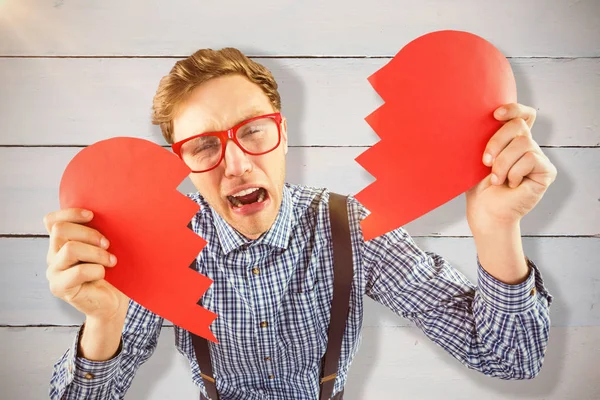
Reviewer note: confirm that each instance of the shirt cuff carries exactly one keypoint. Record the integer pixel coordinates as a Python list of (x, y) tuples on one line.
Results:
[(509, 298), (87, 373)]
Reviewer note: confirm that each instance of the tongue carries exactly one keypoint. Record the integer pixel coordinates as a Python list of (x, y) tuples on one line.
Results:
[(249, 198)]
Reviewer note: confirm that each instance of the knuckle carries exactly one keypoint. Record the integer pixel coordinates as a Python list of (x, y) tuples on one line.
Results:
[(524, 141), (46, 221), (499, 167), (538, 190), (49, 259), (102, 256), (96, 235), (530, 156), (70, 249), (513, 172), (78, 272), (58, 228), (521, 125), (55, 288), (492, 145)]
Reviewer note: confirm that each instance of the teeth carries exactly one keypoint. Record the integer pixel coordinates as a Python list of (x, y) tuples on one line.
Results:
[(245, 192), (235, 201)]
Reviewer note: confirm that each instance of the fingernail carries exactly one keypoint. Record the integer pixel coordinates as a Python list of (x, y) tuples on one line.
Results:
[(494, 179), (501, 112), (104, 243), (113, 259), (487, 159), (86, 213)]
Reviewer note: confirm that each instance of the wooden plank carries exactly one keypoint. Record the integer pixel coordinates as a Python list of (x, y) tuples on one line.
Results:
[(390, 361), (276, 27), (396, 362), (568, 265), (82, 101), (30, 177)]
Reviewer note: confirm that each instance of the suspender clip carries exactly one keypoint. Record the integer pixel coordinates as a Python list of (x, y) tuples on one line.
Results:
[(328, 378), (208, 378)]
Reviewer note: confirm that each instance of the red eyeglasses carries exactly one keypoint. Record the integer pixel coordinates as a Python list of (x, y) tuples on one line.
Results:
[(255, 136)]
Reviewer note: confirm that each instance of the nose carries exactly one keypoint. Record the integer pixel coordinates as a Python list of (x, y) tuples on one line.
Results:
[(236, 161)]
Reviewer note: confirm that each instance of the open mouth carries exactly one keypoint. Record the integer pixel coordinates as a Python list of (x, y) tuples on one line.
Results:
[(247, 197)]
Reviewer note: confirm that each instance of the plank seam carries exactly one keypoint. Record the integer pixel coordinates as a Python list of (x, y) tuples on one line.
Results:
[(313, 146), (434, 236), (284, 57)]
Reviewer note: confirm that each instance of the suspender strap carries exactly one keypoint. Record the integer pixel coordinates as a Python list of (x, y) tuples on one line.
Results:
[(342, 282), (203, 356), (340, 304)]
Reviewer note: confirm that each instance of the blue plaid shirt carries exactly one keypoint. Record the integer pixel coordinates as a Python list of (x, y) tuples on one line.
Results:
[(285, 279)]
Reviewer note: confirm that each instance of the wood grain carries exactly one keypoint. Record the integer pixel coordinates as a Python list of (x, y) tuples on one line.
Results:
[(30, 179), (81, 101), (568, 265), (390, 362), (285, 27)]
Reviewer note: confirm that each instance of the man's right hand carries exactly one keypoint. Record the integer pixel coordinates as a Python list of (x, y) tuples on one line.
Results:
[(77, 257)]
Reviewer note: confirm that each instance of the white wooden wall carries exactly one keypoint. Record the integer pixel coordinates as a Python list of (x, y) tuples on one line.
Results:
[(74, 72)]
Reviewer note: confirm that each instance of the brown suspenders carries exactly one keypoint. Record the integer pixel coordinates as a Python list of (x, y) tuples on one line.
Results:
[(342, 282), (340, 303)]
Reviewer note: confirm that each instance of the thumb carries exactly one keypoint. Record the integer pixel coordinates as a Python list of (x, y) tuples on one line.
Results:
[(481, 186), (528, 193)]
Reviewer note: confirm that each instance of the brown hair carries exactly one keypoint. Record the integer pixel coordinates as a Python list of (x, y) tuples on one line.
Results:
[(205, 64)]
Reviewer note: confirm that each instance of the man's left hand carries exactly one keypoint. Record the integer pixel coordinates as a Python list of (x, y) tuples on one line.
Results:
[(521, 173)]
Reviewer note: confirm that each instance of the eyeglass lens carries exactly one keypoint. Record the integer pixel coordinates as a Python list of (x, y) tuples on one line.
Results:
[(204, 152)]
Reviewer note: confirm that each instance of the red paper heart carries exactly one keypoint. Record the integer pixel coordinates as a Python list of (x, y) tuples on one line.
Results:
[(131, 186), (440, 92)]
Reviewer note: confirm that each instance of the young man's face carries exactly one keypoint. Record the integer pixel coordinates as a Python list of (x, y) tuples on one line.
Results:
[(218, 105)]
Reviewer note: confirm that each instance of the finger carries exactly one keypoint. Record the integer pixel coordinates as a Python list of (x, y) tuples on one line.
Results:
[(542, 174), (510, 111), (535, 182), (523, 167), (497, 143), (76, 252), (534, 166), (518, 147), (63, 232), (76, 215), (63, 283)]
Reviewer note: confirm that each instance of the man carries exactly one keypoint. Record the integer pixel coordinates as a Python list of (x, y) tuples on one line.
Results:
[(269, 253)]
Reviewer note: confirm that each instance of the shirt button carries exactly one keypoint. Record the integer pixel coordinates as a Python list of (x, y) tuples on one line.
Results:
[(267, 358), (271, 377), (264, 324), (532, 292), (89, 376), (255, 271)]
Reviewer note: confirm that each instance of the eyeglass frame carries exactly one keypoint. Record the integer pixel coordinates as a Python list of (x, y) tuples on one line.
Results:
[(230, 134)]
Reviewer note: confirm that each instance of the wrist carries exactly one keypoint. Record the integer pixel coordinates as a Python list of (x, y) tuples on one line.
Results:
[(103, 323), (495, 228), (100, 339), (500, 252)]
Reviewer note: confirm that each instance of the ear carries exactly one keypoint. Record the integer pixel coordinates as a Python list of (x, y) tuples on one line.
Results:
[(284, 138)]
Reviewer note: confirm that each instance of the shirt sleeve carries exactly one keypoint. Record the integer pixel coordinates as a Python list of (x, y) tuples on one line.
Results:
[(496, 328), (75, 377)]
